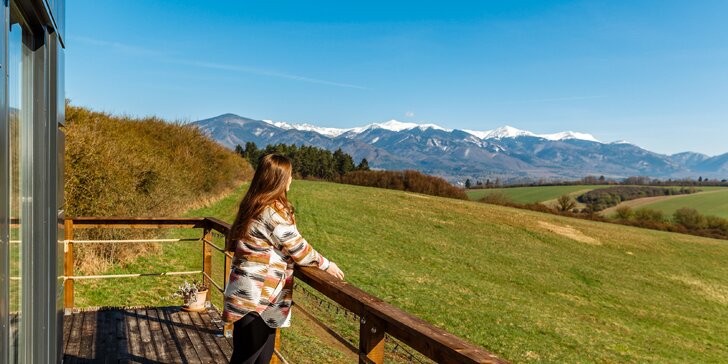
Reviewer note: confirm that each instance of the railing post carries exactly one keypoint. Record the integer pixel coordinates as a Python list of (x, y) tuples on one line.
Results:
[(371, 339), (68, 266), (228, 328), (207, 262), (274, 359), (226, 272)]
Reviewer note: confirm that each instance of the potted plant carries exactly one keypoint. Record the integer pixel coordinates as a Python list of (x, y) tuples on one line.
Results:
[(193, 294)]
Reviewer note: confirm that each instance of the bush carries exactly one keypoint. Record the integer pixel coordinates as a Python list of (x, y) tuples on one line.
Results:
[(691, 219), (647, 216), (497, 198), (624, 213), (121, 166), (717, 224)]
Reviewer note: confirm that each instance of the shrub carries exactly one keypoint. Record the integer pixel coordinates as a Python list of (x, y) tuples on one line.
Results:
[(690, 218), (647, 216), (122, 166), (624, 213), (497, 198)]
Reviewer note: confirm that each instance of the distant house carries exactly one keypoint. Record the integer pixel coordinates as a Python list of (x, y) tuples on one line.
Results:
[(32, 104)]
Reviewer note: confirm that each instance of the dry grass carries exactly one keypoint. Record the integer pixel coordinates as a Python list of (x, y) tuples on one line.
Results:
[(122, 166)]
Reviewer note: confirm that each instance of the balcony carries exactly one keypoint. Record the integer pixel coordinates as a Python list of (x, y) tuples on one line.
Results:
[(167, 334)]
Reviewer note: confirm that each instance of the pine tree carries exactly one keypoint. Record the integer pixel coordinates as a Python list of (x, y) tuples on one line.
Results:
[(363, 165)]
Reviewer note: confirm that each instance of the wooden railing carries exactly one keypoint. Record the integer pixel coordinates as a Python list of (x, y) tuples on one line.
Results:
[(376, 317)]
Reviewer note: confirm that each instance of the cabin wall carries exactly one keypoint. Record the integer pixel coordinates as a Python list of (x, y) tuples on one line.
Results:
[(32, 102)]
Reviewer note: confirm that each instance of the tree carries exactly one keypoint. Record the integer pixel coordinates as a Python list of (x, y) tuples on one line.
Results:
[(467, 183), (251, 153), (239, 150), (565, 203), (343, 162), (363, 165)]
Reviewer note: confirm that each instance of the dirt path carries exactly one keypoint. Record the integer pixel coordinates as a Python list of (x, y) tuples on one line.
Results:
[(639, 202)]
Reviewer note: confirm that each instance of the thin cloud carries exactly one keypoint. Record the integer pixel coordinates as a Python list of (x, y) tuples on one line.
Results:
[(263, 72), (119, 47), (409, 114), (165, 57)]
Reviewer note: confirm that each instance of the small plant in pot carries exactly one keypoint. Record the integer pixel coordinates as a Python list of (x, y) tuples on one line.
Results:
[(193, 294)]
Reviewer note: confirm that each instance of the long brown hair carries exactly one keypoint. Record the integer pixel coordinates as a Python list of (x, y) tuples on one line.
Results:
[(267, 187)]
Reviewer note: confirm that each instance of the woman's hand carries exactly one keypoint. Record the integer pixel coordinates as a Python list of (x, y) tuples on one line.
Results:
[(334, 270)]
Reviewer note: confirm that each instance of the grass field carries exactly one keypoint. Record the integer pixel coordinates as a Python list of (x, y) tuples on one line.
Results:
[(530, 287), (531, 194), (713, 201)]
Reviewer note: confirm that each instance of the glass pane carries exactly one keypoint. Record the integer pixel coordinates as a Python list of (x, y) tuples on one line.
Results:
[(21, 157)]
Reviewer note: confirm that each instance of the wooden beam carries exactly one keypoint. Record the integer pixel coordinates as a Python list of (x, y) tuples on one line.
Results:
[(433, 342), (88, 222), (218, 225)]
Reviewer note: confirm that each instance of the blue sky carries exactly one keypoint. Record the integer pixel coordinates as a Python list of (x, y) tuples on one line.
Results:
[(654, 73)]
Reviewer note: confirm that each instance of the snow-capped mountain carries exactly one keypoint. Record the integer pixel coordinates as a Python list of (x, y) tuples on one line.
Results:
[(455, 154)]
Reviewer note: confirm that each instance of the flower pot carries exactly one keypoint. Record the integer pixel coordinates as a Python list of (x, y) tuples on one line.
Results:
[(197, 303)]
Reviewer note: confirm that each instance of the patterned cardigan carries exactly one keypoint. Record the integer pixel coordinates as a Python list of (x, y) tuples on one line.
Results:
[(261, 275)]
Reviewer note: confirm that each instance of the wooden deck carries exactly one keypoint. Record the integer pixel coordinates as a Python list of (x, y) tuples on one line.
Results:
[(144, 335)]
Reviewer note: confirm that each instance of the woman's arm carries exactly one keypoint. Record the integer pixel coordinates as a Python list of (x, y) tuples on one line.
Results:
[(290, 241)]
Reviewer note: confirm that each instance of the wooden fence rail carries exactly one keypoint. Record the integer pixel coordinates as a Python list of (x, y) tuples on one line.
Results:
[(377, 317)]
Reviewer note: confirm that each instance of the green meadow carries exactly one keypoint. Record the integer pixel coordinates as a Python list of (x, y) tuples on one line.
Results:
[(530, 194), (528, 286), (713, 201)]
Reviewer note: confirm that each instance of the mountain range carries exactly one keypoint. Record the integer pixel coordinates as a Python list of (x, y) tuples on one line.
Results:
[(507, 153)]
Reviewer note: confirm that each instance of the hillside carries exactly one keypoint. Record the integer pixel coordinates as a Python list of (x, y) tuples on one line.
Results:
[(531, 287), (531, 194), (710, 201)]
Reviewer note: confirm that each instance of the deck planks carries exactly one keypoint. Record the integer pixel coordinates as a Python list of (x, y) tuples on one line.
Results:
[(144, 335)]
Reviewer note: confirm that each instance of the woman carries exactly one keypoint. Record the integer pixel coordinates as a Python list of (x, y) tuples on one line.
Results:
[(266, 244)]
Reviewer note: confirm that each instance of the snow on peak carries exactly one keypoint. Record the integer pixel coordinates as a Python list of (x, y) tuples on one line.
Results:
[(331, 132), (570, 135), (395, 125), (500, 133), (511, 132), (506, 131)]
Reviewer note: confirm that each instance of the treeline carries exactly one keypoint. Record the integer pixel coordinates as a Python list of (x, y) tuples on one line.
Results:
[(308, 161), (407, 180), (601, 180), (123, 166), (684, 220), (319, 163), (602, 198)]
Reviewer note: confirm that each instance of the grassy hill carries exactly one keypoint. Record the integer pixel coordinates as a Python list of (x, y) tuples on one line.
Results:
[(530, 287), (712, 201), (531, 194)]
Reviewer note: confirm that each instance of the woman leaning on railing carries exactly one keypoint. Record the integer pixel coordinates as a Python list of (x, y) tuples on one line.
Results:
[(266, 244)]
